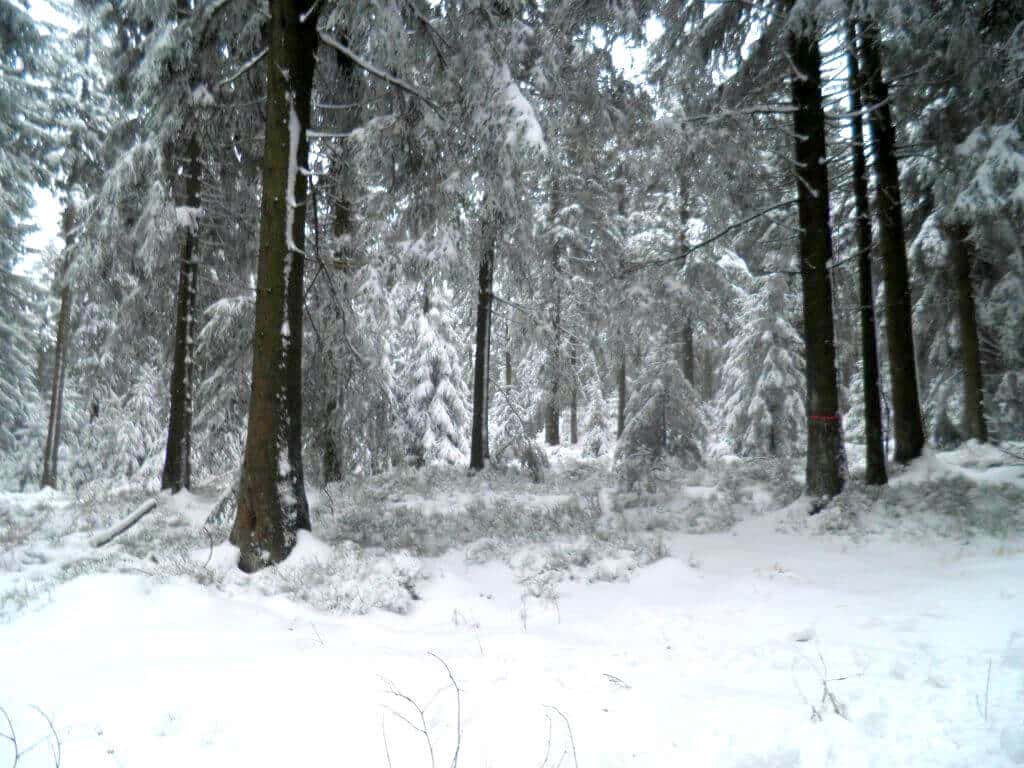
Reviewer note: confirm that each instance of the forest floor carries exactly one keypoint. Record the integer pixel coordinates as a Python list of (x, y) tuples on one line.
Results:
[(433, 619)]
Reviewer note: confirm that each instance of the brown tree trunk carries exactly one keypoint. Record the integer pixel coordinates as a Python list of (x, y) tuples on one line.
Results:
[(177, 473), (876, 474), (974, 387), (907, 424), (51, 451), (825, 453), (483, 337), (272, 503)]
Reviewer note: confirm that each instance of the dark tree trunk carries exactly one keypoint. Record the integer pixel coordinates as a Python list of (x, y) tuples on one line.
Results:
[(489, 383), (344, 253), (477, 449), (689, 368), (621, 376), (272, 497), (51, 450), (574, 430), (825, 453), (876, 474), (177, 472), (508, 355), (552, 432), (907, 425), (974, 387), (708, 377)]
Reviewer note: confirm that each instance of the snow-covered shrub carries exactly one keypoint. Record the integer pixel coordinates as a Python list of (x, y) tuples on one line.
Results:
[(437, 405), (512, 434), (664, 418), (598, 438), (350, 580), (763, 375), (1008, 417)]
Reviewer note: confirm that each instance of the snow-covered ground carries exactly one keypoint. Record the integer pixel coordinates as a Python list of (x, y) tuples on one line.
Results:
[(712, 626)]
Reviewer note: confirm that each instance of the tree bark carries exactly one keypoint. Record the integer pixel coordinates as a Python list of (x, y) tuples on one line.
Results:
[(574, 431), (508, 355), (688, 355), (621, 376), (344, 255), (177, 473), (51, 451), (908, 428), (272, 503), (552, 432), (488, 383), (825, 454), (483, 337), (963, 256), (875, 474)]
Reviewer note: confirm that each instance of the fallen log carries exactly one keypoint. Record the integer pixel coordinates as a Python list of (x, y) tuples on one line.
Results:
[(105, 537)]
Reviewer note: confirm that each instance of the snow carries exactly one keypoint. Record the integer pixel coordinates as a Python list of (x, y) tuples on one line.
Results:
[(294, 137), (188, 217), (777, 641)]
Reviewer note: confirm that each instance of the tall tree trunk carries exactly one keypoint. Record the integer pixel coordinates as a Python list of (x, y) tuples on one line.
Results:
[(876, 474), (488, 383), (974, 387), (825, 454), (177, 472), (574, 427), (621, 377), (708, 375), (907, 424), (483, 336), (272, 503), (508, 355), (688, 356), (344, 253), (552, 432), (51, 450)]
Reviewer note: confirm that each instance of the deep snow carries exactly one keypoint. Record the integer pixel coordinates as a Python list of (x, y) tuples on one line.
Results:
[(715, 655)]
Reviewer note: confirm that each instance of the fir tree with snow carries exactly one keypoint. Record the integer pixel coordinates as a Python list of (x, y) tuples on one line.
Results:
[(763, 402), (664, 418), (437, 413), (598, 437)]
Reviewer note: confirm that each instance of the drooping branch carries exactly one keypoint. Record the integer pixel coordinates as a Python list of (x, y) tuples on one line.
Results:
[(382, 74)]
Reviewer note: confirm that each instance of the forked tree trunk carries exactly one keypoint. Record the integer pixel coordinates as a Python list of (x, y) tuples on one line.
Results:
[(177, 472), (876, 474), (825, 453), (908, 428), (272, 503), (974, 386), (483, 336), (51, 450)]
